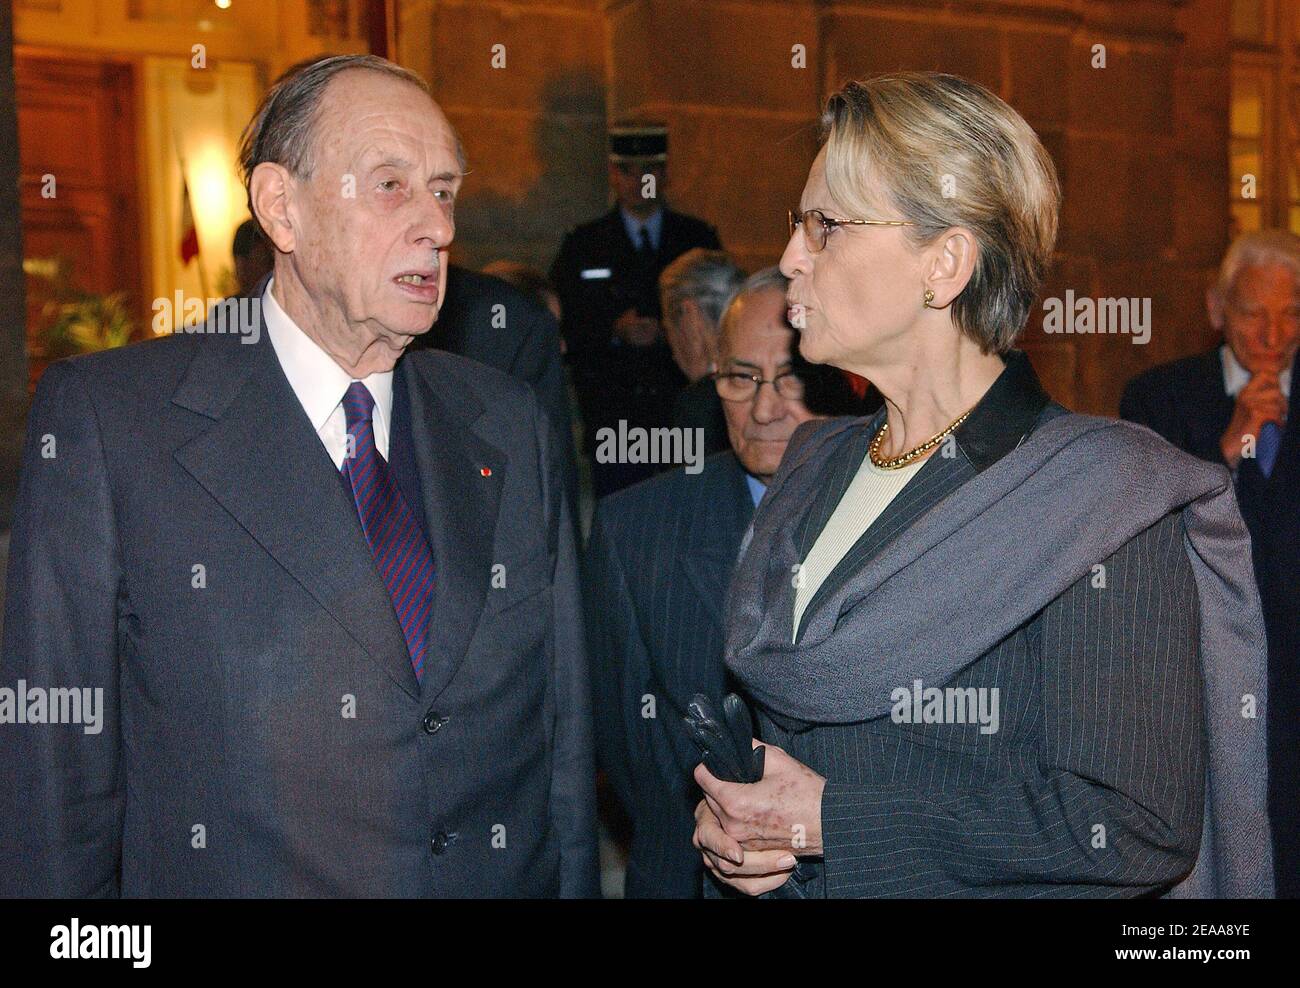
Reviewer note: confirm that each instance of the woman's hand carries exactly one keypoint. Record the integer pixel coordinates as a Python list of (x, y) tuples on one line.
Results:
[(751, 872), (750, 833)]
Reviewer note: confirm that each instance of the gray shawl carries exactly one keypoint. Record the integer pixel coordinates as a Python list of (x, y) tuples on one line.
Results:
[(1075, 491)]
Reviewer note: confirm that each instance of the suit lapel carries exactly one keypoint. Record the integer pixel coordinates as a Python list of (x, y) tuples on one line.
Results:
[(1287, 470), (617, 238), (669, 234), (673, 241), (264, 464), (1277, 488), (708, 554), (460, 509), (708, 570)]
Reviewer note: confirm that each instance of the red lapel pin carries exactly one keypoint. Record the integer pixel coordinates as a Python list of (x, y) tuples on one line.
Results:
[(485, 471)]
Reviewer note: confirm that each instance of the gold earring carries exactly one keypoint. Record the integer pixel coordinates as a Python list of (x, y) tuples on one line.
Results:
[(929, 297)]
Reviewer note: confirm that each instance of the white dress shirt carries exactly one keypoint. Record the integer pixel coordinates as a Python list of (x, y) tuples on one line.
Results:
[(1236, 377), (320, 383)]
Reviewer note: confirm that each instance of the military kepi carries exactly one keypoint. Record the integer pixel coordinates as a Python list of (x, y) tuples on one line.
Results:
[(638, 142)]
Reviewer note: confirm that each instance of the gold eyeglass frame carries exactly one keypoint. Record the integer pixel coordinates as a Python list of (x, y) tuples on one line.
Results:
[(795, 218)]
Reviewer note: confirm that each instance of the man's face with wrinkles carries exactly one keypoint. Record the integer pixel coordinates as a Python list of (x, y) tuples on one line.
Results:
[(375, 215)]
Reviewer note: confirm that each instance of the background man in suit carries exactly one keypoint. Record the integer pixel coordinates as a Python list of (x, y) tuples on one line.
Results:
[(1233, 406), (655, 573), (521, 337), (253, 256), (607, 274), (693, 291), (329, 596)]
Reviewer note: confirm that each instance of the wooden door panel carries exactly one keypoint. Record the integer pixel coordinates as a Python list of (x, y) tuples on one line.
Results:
[(76, 124)]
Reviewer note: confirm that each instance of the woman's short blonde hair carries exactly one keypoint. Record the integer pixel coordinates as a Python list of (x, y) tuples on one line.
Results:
[(949, 153)]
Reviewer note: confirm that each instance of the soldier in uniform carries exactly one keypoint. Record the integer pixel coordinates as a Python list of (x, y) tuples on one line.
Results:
[(607, 276)]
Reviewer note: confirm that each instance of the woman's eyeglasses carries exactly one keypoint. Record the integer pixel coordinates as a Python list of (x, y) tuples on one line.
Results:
[(817, 226)]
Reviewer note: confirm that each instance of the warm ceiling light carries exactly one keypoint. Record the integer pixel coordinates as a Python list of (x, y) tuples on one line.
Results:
[(223, 4)]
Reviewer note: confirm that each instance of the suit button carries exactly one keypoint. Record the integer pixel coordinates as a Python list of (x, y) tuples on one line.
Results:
[(433, 722), (440, 842)]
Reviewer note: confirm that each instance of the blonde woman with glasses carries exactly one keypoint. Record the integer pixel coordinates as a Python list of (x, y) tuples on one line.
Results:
[(993, 648)]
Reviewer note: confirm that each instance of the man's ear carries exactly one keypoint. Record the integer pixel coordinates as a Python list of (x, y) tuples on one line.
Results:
[(952, 263), (691, 314), (271, 190), (698, 324)]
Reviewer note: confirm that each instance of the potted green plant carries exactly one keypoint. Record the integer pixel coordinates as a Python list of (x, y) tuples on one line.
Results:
[(78, 321)]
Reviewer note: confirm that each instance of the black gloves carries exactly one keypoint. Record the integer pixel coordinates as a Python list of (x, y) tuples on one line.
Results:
[(725, 741)]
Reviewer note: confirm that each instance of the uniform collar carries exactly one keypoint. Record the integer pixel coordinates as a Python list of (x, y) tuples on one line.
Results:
[(652, 223)]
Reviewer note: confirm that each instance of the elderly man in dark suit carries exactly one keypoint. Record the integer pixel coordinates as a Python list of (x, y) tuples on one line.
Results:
[(1235, 406), (655, 573), (326, 590)]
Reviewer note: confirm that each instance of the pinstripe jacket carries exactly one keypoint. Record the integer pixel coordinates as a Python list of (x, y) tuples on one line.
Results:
[(1186, 402), (1092, 782)]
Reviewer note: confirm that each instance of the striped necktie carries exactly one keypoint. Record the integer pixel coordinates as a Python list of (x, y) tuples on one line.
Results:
[(392, 530)]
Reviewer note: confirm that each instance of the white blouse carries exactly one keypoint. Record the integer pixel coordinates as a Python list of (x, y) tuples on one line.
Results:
[(868, 494)]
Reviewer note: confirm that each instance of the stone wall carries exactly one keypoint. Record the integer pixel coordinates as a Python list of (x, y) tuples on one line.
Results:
[(531, 115), (740, 102), (1140, 144)]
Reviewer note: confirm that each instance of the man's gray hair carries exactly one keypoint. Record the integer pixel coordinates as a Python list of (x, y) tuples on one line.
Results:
[(1262, 248), (707, 277), (757, 282), (283, 128)]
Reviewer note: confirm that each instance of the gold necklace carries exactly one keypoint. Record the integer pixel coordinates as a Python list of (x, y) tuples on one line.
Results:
[(903, 459)]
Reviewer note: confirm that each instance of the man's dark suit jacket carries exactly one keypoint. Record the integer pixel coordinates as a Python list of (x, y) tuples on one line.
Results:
[(615, 381), (264, 733), (654, 577), (1100, 715), (521, 338), (1185, 402)]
